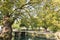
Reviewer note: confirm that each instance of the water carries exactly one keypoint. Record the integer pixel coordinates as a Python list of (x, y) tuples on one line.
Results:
[(30, 37), (34, 38)]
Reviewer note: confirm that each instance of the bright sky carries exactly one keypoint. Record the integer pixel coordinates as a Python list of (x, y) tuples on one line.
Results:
[(27, 1), (0, 28)]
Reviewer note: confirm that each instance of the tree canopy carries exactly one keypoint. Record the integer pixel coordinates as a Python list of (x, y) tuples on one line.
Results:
[(34, 13)]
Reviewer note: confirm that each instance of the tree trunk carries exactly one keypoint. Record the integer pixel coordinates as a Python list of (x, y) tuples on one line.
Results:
[(7, 33), (7, 29)]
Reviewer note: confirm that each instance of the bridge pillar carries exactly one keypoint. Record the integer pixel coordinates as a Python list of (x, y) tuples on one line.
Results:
[(16, 37), (22, 35)]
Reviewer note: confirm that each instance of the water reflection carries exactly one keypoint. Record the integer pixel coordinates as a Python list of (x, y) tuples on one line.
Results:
[(32, 38)]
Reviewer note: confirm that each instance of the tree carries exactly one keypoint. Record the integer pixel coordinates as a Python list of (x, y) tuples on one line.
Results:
[(10, 11)]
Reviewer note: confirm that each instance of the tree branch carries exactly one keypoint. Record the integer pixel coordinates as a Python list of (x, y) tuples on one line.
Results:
[(26, 4)]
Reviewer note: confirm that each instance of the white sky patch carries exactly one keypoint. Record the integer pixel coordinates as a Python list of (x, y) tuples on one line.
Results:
[(33, 13), (23, 11), (35, 16), (26, 5), (0, 12), (0, 28), (29, 7), (42, 4), (14, 7), (28, 16), (57, 8), (27, 1), (2, 0)]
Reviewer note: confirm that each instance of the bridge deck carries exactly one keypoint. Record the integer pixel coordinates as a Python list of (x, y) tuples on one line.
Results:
[(37, 32)]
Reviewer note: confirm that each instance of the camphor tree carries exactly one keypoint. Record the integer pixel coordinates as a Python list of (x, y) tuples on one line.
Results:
[(11, 10), (34, 13)]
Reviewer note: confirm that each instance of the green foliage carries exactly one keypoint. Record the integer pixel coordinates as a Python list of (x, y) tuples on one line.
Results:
[(16, 25), (47, 12)]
